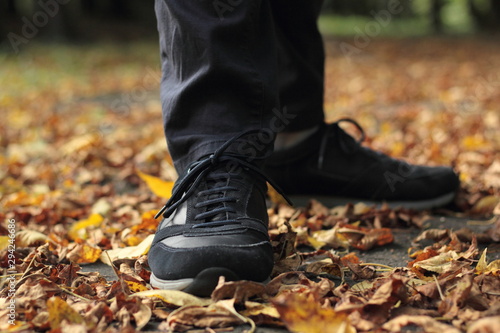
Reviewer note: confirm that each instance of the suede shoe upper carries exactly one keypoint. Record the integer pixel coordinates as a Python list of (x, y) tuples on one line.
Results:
[(332, 163)]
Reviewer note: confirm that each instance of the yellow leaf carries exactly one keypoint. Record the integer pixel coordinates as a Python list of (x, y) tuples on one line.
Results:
[(256, 309), (59, 310), (493, 268), (331, 237), (483, 267), (474, 142), (23, 199), (136, 286), (485, 205), (84, 254), (127, 252), (4, 242), (482, 263), (159, 187), (133, 240), (275, 196), (315, 243), (174, 297), (79, 229)]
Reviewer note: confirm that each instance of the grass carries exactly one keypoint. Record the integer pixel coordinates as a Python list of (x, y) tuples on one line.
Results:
[(456, 21), (335, 25)]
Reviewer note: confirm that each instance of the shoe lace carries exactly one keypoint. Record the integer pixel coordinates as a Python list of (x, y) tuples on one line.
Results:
[(219, 195), (344, 140)]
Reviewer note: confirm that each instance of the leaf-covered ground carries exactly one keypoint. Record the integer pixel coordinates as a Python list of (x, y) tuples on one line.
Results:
[(84, 167)]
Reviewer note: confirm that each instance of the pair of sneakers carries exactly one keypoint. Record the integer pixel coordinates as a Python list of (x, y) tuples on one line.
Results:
[(216, 220)]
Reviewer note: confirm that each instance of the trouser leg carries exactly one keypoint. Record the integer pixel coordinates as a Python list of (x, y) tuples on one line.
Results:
[(301, 61), (219, 73)]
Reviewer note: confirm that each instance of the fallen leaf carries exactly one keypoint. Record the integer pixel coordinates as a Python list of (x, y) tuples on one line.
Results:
[(4, 242), (485, 325), (239, 291), (79, 229), (262, 314), (142, 316), (428, 324), (127, 252), (483, 267), (485, 205), (60, 311), (83, 253), (159, 187), (213, 316), (439, 263), (455, 300), (26, 238), (174, 297), (301, 312)]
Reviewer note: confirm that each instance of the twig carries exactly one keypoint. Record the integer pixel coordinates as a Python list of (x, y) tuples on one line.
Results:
[(68, 292), (379, 265), (9, 275), (29, 266), (439, 288)]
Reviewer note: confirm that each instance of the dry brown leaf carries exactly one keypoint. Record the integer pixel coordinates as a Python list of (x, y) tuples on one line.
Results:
[(174, 297), (26, 238), (485, 325), (428, 324), (216, 315), (451, 305), (239, 291), (262, 314), (439, 263), (301, 312)]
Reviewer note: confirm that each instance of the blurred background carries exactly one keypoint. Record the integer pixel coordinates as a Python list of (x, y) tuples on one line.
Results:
[(123, 19)]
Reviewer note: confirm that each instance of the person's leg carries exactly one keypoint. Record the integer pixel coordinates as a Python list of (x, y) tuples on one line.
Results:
[(219, 73), (301, 62), (312, 159), (219, 81)]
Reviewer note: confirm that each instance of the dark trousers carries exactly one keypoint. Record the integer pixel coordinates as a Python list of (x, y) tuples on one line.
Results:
[(230, 66)]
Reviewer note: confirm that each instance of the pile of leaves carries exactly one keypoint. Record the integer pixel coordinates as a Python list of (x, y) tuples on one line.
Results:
[(316, 285), (84, 168)]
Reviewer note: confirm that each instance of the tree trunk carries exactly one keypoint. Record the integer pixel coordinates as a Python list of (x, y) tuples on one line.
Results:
[(437, 22)]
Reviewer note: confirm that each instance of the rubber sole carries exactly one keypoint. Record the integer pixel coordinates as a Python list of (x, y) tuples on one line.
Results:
[(202, 285), (336, 201)]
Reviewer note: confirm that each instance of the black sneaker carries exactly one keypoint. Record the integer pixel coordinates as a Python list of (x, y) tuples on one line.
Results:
[(334, 168), (215, 224)]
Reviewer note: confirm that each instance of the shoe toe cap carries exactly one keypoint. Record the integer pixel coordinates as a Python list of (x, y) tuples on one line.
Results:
[(182, 257)]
